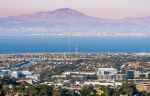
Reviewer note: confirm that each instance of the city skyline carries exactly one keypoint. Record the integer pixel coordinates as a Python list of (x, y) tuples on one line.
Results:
[(113, 9)]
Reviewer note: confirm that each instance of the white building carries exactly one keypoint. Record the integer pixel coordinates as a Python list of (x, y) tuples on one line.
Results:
[(4, 73), (14, 74), (27, 74), (106, 73)]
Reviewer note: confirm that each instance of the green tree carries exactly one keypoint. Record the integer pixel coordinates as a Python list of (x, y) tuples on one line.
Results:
[(66, 92), (105, 90), (88, 91), (124, 88), (44, 90)]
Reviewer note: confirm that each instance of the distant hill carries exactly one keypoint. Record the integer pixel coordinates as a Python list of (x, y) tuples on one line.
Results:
[(69, 21)]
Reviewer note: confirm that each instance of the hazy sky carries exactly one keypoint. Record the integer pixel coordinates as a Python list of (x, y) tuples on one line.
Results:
[(98, 8)]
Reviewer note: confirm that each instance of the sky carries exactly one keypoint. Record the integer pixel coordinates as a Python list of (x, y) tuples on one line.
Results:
[(99, 8)]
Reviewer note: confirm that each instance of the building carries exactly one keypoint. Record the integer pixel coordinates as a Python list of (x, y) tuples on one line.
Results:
[(130, 74), (24, 74), (120, 77), (80, 75), (21, 74), (4, 73), (106, 73), (102, 83), (14, 74)]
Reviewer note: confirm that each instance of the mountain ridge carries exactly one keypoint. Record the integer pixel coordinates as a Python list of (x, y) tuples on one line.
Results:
[(69, 20)]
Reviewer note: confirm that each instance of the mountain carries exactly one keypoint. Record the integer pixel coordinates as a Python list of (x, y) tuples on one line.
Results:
[(60, 13), (64, 13), (69, 21)]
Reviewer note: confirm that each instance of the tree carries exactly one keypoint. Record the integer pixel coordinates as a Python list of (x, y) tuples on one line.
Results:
[(128, 89), (88, 91), (102, 91), (44, 90), (66, 92), (124, 89)]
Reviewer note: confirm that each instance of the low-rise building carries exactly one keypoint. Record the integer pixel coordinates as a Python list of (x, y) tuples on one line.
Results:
[(4, 73), (106, 73)]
